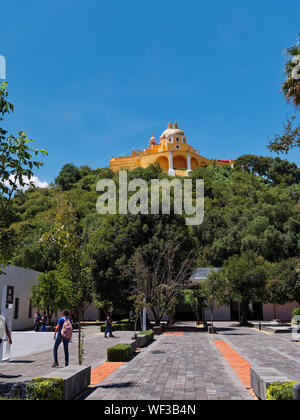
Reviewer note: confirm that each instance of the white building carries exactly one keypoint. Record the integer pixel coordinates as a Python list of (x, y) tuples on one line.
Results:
[(21, 280)]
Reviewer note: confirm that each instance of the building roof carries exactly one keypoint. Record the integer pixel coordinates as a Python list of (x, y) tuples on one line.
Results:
[(201, 274)]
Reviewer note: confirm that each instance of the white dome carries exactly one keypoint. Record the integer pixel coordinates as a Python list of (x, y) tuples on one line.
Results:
[(172, 131)]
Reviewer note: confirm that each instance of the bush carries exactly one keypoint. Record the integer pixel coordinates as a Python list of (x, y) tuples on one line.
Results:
[(126, 321), (149, 334), (296, 311), (119, 327), (280, 391), (118, 353), (45, 389)]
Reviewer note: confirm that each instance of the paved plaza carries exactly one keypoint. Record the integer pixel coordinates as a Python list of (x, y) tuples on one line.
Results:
[(185, 364)]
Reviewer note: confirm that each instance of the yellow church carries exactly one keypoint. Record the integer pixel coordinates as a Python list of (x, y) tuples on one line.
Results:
[(173, 153)]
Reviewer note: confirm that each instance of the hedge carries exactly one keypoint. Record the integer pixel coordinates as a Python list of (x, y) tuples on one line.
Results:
[(296, 311), (280, 391), (45, 389), (119, 353), (149, 334), (119, 327)]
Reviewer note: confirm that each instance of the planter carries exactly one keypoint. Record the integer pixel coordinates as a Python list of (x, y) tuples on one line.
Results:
[(157, 330), (50, 328), (212, 330), (141, 340)]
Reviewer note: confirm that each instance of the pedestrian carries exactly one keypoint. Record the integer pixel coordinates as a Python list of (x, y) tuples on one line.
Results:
[(37, 319), (63, 334), (43, 321), (8, 334), (109, 325)]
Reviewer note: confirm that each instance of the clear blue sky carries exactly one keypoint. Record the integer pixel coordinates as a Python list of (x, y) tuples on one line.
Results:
[(91, 79)]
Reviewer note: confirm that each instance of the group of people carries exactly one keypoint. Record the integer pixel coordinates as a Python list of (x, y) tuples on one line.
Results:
[(40, 321)]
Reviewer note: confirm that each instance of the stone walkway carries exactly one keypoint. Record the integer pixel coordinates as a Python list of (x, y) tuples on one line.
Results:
[(265, 350), (185, 364), (174, 367), (21, 369)]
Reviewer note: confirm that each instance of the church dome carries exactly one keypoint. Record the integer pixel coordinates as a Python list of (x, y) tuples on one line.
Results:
[(171, 131)]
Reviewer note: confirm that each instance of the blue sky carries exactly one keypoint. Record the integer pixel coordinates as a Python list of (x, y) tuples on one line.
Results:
[(92, 79)]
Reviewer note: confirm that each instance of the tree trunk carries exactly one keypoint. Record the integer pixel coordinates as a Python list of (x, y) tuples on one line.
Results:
[(244, 317), (275, 314), (79, 340)]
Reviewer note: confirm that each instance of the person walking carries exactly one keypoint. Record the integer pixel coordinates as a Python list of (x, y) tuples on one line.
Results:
[(43, 321), (63, 334), (109, 325), (37, 319)]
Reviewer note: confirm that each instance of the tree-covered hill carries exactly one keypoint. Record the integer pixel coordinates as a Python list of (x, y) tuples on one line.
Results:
[(253, 207)]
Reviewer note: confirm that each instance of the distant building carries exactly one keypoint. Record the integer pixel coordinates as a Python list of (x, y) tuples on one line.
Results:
[(173, 153)]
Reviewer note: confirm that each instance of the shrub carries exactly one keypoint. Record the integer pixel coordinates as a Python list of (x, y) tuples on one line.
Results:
[(126, 321), (280, 391), (118, 353), (119, 327), (296, 311), (45, 389), (149, 334)]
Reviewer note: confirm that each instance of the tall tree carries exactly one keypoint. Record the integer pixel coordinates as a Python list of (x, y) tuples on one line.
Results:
[(74, 264), (160, 278), (291, 90), (246, 277), (16, 170)]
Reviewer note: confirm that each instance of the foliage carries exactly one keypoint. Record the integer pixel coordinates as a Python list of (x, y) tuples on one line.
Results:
[(280, 391), (245, 278), (68, 176), (195, 297), (296, 312), (283, 282), (283, 143), (49, 293), (50, 389), (17, 161), (275, 171), (160, 275), (291, 90), (119, 353), (291, 86), (246, 209), (138, 304), (74, 264)]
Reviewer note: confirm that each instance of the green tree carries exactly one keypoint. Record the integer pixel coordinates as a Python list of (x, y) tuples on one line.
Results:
[(195, 297), (74, 264), (161, 277), (246, 277), (49, 293), (16, 170), (68, 176), (291, 90)]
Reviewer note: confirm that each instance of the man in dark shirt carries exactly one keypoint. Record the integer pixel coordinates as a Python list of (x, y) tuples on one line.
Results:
[(109, 324)]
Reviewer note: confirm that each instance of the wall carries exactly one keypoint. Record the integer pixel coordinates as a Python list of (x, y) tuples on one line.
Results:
[(22, 280)]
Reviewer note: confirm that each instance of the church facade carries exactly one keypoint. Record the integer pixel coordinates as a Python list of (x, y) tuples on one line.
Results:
[(172, 153)]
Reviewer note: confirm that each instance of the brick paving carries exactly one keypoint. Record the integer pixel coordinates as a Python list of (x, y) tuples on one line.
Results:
[(101, 372), (21, 369), (264, 350), (236, 361), (183, 366)]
